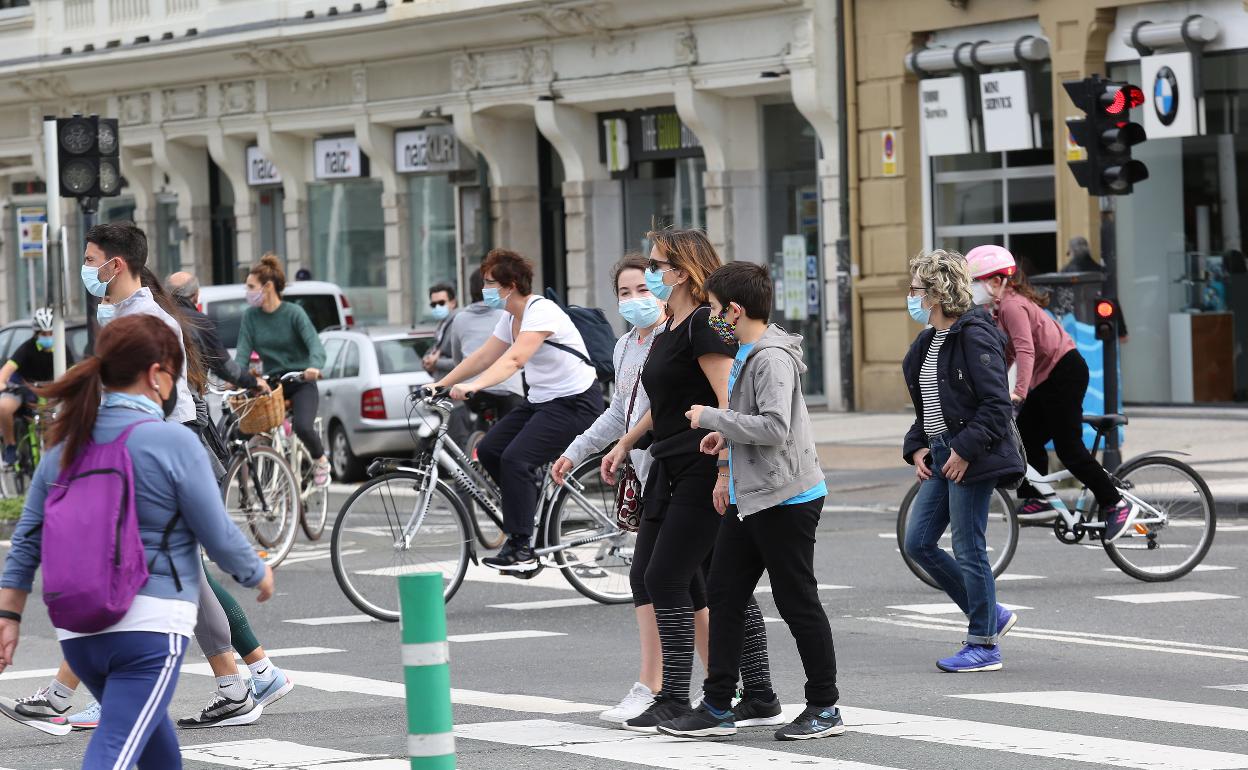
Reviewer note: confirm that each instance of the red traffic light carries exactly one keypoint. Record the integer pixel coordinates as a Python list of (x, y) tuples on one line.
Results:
[(1123, 99), (1104, 309)]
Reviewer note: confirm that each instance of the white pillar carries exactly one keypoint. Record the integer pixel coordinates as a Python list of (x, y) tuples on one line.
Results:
[(286, 151), (187, 168), (378, 143)]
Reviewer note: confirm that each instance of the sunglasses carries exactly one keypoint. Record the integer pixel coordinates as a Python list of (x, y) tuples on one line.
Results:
[(658, 266), (439, 303)]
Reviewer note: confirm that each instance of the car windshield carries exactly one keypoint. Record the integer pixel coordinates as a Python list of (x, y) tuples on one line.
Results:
[(402, 355), (227, 314)]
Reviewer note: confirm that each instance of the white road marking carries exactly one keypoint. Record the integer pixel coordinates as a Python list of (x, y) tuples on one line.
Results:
[(320, 680), (266, 753), (1175, 712), (34, 673), (300, 558), (1233, 687), (547, 578), (525, 704), (656, 751), (821, 587), (203, 669), (942, 608), (1167, 568), (1015, 576), (496, 636), (1171, 596), (772, 620), (332, 620), (548, 604), (1037, 743)]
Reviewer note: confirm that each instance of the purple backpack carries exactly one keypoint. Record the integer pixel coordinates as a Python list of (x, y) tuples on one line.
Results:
[(93, 558)]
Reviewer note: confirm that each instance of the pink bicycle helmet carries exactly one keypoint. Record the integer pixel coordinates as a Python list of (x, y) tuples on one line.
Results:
[(989, 260)]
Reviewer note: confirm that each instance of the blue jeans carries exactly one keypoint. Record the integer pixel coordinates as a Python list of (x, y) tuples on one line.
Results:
[(967, 575)]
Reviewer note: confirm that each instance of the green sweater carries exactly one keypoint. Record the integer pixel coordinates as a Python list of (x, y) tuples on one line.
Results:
[(285, 339)]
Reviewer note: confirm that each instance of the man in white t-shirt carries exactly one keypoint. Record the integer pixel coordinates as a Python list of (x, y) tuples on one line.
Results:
[(536, 337)]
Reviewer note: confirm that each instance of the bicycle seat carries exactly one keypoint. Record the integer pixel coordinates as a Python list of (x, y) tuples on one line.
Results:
[(1104, 422)]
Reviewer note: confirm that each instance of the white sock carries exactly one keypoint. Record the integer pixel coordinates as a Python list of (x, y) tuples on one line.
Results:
[(232, 687), (59, 694), (263, 670)]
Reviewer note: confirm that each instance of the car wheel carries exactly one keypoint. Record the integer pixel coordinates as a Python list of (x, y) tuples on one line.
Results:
[(344, 464)]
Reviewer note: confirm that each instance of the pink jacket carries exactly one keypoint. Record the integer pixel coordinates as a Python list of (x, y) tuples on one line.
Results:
[(1036, 341)]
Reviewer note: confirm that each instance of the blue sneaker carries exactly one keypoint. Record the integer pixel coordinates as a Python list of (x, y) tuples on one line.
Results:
[(87, 719), (1005, 621), (271, 690), (972, 658), (813, 722)]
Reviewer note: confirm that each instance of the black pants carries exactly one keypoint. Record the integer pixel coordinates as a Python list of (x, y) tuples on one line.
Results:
[(780, 540), (1054, 411), (305, 399), (526, 439), (466, 420)]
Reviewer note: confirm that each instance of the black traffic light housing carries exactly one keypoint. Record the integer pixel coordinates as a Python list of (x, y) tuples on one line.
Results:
[(1106, 313), (88, 150), (1106, 134)]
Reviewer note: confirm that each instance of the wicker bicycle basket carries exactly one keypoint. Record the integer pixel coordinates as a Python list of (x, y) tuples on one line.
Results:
[(261, 413)]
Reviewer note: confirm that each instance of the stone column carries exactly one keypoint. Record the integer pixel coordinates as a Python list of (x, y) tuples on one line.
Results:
[(141, 185), (187, 168), (378, 143), (230, 153), (286, 151)]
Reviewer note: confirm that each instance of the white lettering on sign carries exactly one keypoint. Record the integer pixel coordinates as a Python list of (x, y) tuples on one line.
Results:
[(432, 148), (337, 158), (260, 170), (1008, 122), (942, 107)]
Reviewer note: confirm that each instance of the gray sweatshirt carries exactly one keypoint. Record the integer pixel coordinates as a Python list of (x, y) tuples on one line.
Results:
[(468, 330), (766, 422), (142, 303), (629, 357)]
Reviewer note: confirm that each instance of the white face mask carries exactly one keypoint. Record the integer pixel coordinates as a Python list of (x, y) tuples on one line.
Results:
[(980, 294)]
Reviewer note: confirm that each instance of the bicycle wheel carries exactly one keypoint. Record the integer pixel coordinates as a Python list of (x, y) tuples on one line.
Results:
[(1001, 534), (370, 548), (262, 498), (314, 508), (1177, 520), (584, 512)]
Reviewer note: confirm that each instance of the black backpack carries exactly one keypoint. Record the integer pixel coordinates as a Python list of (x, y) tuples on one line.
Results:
[(597, 334)]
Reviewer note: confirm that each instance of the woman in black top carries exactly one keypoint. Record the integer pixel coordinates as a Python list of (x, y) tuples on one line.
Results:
[(687, 491)]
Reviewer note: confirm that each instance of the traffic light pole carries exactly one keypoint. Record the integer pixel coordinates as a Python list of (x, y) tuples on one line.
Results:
[(55, 258), (89, 207), (1112, 456)]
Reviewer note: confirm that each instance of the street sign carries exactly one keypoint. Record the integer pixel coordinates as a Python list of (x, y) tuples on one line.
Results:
[(32, 223), (888, 153), (1007, 111), (942, 108), (1172, 108)]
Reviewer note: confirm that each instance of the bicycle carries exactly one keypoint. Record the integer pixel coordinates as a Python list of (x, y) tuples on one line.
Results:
[(313, 499), (259, 489), (28, 427), (1173, 499), (408, 518)]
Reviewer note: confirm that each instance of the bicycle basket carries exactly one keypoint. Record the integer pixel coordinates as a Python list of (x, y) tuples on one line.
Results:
[(261, 413)]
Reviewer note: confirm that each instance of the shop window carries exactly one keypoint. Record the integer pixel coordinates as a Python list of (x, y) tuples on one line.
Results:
[(431, 209), (348, 243), (272, 218), (661, 193), (169, 236)]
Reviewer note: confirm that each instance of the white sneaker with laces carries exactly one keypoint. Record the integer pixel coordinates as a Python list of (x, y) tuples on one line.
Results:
[(634, 704)]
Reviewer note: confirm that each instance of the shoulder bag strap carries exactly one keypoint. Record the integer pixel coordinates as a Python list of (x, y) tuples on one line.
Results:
[(628, 416)]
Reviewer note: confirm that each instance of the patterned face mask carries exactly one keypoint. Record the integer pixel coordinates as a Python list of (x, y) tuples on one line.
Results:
[(723, 327)]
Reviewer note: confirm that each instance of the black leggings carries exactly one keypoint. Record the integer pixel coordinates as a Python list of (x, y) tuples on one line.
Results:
[(1054, 410), (304, 401)]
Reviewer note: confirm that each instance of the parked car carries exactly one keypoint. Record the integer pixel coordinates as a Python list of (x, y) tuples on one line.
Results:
[(368, 375), (13, 334), (325, 303)]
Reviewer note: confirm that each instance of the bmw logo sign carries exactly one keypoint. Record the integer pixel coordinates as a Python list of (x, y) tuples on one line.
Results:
[(1166, 95)]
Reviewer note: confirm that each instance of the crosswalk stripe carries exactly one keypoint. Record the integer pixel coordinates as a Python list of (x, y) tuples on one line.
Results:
[(33, 673), (1169, 596), (1197, 568), (548, 604), (1233, 687), (821, 587), (1037, 743), (942, 608), (332, 620), (1175, 712), (266, 753), (1015, 576), (655, 751), (495, 636)]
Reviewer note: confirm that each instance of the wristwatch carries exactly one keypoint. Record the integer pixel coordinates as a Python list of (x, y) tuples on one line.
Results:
[(721, 463)]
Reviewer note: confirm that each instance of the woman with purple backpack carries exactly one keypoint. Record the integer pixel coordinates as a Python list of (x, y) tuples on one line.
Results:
[(121, 579)]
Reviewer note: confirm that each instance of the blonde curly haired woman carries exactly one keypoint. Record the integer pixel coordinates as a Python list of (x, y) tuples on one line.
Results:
[(959, 445)]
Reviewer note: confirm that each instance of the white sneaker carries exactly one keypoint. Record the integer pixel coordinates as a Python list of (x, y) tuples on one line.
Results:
[(634, 705)]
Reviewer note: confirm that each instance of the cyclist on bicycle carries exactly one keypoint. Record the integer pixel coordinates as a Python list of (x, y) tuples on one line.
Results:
[(286, 340), (32, 363), (534, 336), (1051, 383)]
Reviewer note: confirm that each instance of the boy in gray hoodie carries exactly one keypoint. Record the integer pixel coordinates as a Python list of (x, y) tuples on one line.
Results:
[(776, 493)]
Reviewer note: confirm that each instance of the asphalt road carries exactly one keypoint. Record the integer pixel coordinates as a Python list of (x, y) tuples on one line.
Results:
[(1087, 679)]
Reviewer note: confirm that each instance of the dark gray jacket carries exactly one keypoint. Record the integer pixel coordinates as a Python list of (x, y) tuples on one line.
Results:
[(773, 446)]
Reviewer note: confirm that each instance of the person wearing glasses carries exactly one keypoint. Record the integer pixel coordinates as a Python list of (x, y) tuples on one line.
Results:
[(960, 445), (443, 308)]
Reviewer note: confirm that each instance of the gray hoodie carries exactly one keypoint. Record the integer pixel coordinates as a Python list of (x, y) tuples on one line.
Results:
[(767, 425), (468, 330)]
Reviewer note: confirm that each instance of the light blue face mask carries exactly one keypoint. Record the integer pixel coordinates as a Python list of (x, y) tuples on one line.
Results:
[(132, 401), (641, 312), (91, 280), (654, 282), (43, 343), (492, 298), (439, 312), (917, 311), (105, 313)]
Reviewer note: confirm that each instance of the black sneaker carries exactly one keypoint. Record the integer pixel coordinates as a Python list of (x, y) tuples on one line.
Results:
[(814, 722), (514, 556), (663, 709), (225, 712), (700, 724), (752, 712)]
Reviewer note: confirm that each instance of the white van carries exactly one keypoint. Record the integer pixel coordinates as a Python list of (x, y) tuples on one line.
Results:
[(324, 302)]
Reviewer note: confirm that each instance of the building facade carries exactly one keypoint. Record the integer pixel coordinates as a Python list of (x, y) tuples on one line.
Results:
[(956, 115), (387, 145)]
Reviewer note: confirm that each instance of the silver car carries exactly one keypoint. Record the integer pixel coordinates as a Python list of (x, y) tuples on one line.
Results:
[(368, 375)]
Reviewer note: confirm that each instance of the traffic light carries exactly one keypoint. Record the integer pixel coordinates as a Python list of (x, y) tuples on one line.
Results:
[(1107, 315), (87, 154), (1106, 134)]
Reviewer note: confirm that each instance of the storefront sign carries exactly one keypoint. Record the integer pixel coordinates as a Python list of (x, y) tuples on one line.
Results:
[(793, 249), (888, 153), (615, 137), (337, 158), (1171, 108), (650, 135), (942, 109), (432, 148), (32, 224), (1073, 151), (260, 170), (1007, 111)]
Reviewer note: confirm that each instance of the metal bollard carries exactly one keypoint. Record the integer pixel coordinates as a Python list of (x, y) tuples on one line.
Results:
[(426, 672)]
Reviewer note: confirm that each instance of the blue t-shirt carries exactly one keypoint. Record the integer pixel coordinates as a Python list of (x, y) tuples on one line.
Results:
[(815, 492)]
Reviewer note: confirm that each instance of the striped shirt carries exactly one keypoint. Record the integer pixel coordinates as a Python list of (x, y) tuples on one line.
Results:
[(929, 387)]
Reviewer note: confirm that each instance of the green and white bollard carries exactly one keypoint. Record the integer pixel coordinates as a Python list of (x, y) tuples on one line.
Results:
[(426, 672)]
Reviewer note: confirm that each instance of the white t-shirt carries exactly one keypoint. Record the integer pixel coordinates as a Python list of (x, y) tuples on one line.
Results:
[(551, 373), (149, 613)]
